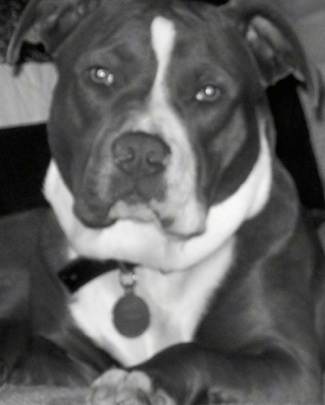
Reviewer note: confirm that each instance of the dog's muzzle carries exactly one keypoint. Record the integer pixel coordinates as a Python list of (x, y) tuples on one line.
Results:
[(130, 185)]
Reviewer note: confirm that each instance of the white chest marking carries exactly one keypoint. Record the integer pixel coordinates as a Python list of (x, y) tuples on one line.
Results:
[(177, 301)]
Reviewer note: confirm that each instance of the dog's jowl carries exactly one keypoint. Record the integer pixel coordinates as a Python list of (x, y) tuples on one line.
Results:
[(175, 265)]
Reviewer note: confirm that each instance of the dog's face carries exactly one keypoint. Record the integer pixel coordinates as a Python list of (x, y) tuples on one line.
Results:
[(158, 108), (148, 121)]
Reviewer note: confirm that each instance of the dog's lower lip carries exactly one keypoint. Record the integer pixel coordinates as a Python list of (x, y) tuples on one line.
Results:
[(97, 224)]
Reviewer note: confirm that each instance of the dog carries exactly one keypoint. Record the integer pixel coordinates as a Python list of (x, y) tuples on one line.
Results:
[(175, 265)]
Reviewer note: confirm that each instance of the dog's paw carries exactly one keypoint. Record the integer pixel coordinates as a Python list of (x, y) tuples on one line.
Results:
[(120, 387)]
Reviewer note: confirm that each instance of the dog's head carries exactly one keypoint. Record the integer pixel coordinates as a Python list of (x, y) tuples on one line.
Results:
[(159, 113)]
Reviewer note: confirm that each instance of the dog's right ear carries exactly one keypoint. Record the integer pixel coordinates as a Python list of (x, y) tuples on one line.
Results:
[(49, 22), (275, 46)]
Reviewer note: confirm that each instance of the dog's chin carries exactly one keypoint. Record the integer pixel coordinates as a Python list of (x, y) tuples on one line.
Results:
[(137, 213)]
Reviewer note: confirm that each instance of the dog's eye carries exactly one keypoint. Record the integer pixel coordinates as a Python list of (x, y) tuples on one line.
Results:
[(208, 93), (101, 75)]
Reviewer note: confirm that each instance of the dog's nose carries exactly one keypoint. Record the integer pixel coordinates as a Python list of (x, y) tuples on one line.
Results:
[(140, 154)]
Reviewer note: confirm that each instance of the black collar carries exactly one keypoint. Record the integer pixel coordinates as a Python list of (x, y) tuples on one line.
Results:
[(79, 272), (76, 273)]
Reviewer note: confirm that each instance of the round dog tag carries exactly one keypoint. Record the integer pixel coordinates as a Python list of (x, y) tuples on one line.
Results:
[(131, 315)]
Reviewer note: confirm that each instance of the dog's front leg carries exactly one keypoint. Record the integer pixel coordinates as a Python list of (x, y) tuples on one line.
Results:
[(189, 374)]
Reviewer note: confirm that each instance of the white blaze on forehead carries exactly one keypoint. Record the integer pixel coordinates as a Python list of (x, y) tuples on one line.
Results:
[(163, 35)]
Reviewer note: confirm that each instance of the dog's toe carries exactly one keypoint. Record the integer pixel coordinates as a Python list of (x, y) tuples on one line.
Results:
[(113, 377), (104, 390), (119, 387)]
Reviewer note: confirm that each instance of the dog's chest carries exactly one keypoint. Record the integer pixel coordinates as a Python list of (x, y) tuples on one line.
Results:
[(177, 302)]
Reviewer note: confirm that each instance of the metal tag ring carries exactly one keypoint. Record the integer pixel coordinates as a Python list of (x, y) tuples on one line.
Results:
[(128, 279)]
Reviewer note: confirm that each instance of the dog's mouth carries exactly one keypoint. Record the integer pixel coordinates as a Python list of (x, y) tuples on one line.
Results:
[(136, 210), (133, 207), (180, 217)]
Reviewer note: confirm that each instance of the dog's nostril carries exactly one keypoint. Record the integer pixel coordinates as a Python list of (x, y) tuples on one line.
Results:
[(140, 154), (156, 160), (124, 155)]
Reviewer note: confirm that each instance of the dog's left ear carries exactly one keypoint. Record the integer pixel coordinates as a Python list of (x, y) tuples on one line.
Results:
[(274, 44), (49, 22)]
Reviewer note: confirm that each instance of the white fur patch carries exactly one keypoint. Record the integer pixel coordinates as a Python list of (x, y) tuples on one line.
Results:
[(162, 38), (177, 302)]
